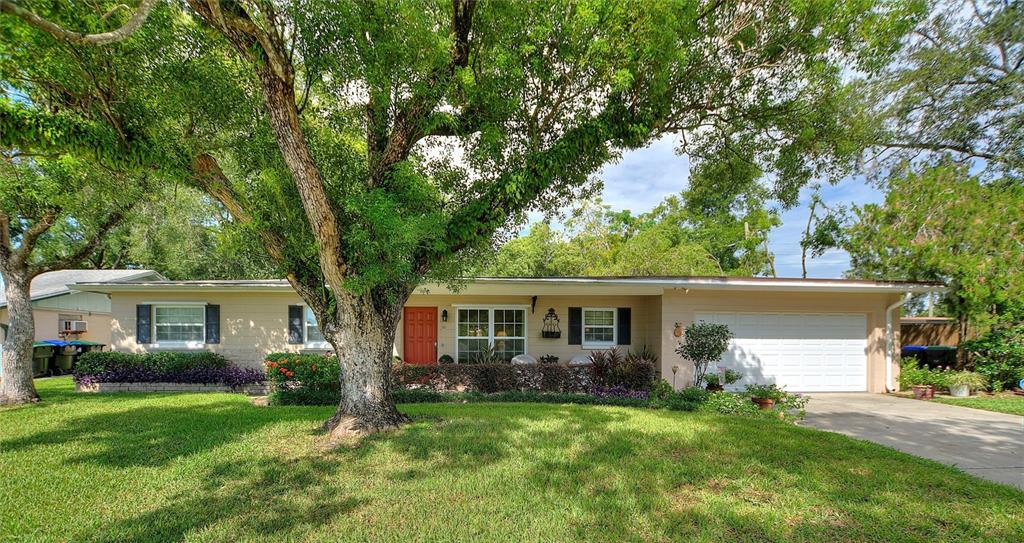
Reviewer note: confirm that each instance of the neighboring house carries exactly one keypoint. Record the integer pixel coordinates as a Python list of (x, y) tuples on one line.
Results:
[(807, 334), (57, 307), (929, 331)]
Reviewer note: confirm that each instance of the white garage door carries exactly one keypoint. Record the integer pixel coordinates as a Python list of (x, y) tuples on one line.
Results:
[(805, 352)]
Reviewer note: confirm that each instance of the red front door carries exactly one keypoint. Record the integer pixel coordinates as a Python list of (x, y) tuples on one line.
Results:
[(420, 335)]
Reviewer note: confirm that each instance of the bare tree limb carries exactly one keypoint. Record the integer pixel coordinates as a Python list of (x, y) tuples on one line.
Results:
[(928, 146), (103, 38)]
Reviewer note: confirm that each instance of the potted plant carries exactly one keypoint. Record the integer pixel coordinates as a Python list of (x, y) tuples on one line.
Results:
[(923, 392), (765, 396), (962, 383), (715, 382)]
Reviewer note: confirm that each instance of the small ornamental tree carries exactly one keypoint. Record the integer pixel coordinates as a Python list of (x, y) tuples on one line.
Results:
[(54, 214), (704, 343), (372, 145)]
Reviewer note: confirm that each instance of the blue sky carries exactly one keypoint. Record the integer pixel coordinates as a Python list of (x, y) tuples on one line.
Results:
[(643, 178)]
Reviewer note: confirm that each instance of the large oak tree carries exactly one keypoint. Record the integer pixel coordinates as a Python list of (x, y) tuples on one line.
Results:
[(370, 145)]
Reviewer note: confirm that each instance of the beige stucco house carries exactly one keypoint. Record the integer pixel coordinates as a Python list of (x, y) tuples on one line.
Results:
[(57, 307), (812, 335)]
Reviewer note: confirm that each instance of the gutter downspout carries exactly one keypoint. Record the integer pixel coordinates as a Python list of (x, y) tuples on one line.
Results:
[(890, 340)]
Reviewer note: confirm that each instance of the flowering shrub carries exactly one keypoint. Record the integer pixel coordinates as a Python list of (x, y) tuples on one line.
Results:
[(166, 367), (303, 379)]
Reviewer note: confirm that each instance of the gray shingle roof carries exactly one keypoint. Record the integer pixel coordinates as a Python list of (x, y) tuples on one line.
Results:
[(55, 283)]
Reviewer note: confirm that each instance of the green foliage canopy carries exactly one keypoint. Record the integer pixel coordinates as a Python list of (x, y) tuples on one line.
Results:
[(429, 138), (944, 224)]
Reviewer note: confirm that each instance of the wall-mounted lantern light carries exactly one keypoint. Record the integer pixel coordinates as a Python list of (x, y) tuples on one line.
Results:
[(551, 329), (444, 315)]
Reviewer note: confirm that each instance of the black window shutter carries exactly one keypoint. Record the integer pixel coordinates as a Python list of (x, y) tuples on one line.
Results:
[(295, 324), (624, 326), (212, 323), (143, 324), (575, 326)]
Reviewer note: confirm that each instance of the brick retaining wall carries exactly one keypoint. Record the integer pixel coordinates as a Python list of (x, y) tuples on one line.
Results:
[(251, 390)]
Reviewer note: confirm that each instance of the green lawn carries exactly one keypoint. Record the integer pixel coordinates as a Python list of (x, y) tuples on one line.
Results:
[(1002, 403), (212, 467)]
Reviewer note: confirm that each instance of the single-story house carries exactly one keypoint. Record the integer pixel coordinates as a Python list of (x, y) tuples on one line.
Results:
[(812, 335), (58, 308)]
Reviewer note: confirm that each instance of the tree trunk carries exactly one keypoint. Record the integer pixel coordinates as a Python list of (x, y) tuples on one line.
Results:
[(16, 384), (961, 333), (364, 340)]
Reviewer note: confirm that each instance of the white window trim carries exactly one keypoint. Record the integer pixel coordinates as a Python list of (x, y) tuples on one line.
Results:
[(190, 345), (306, 343), (490, 325), (599, 344)]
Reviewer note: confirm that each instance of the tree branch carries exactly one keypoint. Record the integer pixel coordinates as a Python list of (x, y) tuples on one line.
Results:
[(410, 122), (5, 237), (276, 77), (28, 239), (929, 146), (88, 247), (208, 174), (104, 38)]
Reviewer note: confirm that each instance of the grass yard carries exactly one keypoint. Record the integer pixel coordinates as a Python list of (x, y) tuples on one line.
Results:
[(1001, 403), (212, 467)]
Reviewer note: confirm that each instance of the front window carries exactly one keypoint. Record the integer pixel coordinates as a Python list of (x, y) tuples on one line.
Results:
[(179, 323), (314, 338), (503, 329), (598, 327)]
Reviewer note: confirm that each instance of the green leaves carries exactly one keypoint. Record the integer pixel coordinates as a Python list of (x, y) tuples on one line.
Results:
[(945, 224)]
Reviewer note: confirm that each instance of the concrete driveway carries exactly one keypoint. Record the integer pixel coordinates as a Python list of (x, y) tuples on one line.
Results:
[(984, 444)]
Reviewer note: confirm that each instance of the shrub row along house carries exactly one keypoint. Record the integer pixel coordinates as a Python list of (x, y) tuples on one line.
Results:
[(810, 335)]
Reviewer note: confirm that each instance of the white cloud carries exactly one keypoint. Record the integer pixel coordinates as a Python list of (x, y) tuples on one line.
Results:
[(641, 179)]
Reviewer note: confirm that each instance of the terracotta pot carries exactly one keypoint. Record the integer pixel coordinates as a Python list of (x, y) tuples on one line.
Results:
[(923, 392), (715, 388), (764, 403)]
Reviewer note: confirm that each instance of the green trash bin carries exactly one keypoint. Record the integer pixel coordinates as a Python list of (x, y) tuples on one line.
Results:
[(42, 357), (64, 362), (84, 346), (937, 356)]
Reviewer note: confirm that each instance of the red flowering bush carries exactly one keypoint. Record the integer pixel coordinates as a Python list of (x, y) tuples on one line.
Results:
[(302, 379)]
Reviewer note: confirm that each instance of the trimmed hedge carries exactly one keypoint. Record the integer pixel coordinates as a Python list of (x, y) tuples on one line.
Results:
[(513, 396), (609, 370), (164, 367), (490, 378), (307, 379)]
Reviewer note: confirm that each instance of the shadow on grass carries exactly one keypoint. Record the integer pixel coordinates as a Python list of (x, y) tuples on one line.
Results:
[(591, 473), (154, 433), (243, 499)]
